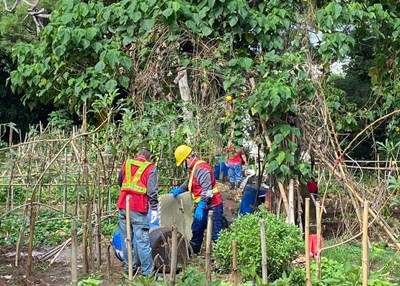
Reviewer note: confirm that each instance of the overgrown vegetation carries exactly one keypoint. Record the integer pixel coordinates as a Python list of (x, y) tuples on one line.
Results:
[(124, 62), (283, 243)]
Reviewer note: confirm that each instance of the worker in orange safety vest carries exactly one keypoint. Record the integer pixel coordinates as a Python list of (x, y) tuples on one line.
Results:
[(138, 178), (202, 185)]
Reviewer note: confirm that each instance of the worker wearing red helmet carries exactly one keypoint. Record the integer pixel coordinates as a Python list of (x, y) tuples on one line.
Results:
[(202, 185)]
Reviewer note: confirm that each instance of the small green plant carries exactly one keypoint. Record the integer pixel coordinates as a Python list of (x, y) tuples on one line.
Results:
[(296, 277), (283, 245), (50, 228), (91, 281), (59, 119)]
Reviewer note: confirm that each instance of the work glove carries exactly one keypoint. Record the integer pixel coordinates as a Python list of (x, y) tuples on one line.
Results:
[(154, 216), (176, 191), (198, 213)]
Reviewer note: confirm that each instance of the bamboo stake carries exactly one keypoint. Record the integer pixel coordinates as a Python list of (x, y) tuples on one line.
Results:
[(98, 236), (365, 260), (108, 261), (318, 214), (263, 253), (174, 255), (31, 234), (299, 212), (74, 256), (9, 202), (86, 227), (22, 232), (209, 246), (129, 237), (307, 242), (234, 263), (65, 183), (291, 202)]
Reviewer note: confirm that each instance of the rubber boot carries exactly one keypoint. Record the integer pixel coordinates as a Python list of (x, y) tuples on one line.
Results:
[(237, 185), (232, 186), (195, 247)]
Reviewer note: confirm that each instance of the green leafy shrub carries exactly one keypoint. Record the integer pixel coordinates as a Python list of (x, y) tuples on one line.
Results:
[(338, 274), (283, 245)]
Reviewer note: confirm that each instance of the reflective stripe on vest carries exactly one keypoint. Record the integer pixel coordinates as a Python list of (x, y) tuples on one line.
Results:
[(196, 200), (132, 184)]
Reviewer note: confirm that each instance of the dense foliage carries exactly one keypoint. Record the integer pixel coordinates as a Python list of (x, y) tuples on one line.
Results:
[(283, 243)]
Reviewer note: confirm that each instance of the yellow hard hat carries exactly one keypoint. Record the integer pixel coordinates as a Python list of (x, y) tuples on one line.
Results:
[(181, 153)]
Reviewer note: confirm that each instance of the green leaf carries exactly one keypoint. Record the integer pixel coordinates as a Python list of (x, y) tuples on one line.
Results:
[(136, 16), (176, 6), (281, 157), (97, 47), (167, 12), (111, 85), (285, 129), (91, 33), (272, 166), (284, 169), (124, 81), (143, 6), (112, 57), (99, 66), (206, 31), (148, 24), (246, 63), (59, 51), (233, 21)]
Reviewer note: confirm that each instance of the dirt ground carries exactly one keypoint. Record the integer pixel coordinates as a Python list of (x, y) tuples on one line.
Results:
[(57, 273)]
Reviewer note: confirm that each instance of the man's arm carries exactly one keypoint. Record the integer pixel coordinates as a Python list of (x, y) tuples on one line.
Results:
[(185, 186), (121, 173), (152, 188), (244, 158)]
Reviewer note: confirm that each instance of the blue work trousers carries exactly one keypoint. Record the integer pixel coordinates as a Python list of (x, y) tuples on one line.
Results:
[(140, 234), (235, 173), (199, 226)]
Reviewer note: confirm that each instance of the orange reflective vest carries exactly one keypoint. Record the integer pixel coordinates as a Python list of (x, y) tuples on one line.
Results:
[(134, 182), (197, 190)]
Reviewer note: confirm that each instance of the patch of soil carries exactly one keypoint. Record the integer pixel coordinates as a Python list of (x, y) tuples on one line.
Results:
[(57, 273), (231, 200)]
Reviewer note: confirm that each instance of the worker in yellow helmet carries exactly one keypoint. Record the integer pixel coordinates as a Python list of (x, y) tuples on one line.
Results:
[(202, 185)]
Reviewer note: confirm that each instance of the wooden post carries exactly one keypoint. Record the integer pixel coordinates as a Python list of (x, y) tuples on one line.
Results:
[(290, 215), (365, 260), (74, 257), (174, 255), (234, 263), (209, 246), (318, 260), (263, 253), (129, 237), (307, 242)]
